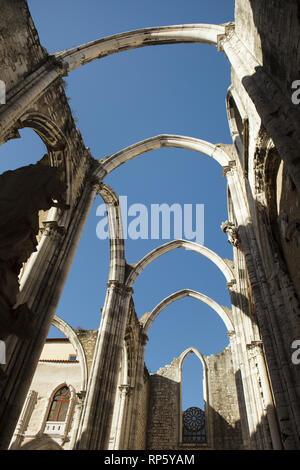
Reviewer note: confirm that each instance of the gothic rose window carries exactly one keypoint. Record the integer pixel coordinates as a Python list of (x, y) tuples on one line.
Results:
[(194, 426), (59, 405)]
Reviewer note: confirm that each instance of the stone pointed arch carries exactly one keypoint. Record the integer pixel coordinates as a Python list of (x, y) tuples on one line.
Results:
[(174, 34), (172, 245), (186, 353), (110, 163), (117, 261), (67, 330), (200, 356), (151, 316)]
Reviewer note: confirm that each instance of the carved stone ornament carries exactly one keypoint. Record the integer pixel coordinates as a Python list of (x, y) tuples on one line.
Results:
[(23, 193), (232, 232)]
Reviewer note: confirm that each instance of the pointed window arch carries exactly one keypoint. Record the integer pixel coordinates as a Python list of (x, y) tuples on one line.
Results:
[(59, 405), (194, 420)]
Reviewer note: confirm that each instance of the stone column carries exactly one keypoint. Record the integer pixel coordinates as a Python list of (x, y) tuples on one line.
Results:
[(270, 330), (239, 389), (41, 291), (24, 420), (263, 425), (124, 393), (76, 417), (257, 351), (247, 388), (98, 411), (139, 381)]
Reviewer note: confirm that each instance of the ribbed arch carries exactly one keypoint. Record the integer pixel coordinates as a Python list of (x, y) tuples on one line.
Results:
[(151, 316), (175, 34), (67, 330), (136, 269), (110, 163)]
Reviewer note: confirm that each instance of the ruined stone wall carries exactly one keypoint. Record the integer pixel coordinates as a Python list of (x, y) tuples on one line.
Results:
[(164, 408), (223, 413), (21, 56), (20, 52), (271, 31)]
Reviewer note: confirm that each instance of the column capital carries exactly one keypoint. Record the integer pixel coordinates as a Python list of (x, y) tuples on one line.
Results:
[(228, 169), (81, 395), (117, 285), (231, 334), (221, 38), (231, 285), (125, 389), (255, 348), (52, 230)]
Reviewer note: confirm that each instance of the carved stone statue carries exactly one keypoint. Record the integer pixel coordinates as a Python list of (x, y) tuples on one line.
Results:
[(232, 232), (23, 193)]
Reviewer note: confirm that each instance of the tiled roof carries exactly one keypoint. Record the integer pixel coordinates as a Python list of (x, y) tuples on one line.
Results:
[(58, 360)]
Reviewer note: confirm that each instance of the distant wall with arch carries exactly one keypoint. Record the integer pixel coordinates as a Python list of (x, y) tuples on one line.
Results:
[(223, 428)]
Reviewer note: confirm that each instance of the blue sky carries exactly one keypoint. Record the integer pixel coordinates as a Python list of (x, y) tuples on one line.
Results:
[(120, 100)]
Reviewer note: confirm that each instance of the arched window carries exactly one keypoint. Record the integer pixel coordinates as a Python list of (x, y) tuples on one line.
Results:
[(60, 404), (193, 419), (193, 426)]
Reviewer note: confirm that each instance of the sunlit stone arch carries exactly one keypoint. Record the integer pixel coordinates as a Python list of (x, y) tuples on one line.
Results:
[(149, 318), (117, 261), (68, 331), (111, 162), (137, 268), (174, 34)]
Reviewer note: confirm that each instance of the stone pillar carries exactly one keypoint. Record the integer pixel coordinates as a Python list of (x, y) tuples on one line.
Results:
[(246, 388), (124, 393), (98, 411), (139, 382), (239, 389), (28, 407), (41, 291), (269, 328), (262, 425), (257, 352), (125, 436), (76, 417)]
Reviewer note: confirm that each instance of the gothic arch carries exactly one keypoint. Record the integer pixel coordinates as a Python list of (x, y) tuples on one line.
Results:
[(182, 357), (188, 351), (177, 34), (151, 316), (54, 140), (172, 245), (67, 330), (110, 163), (46, 128), (70, 411), (117, 251)]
